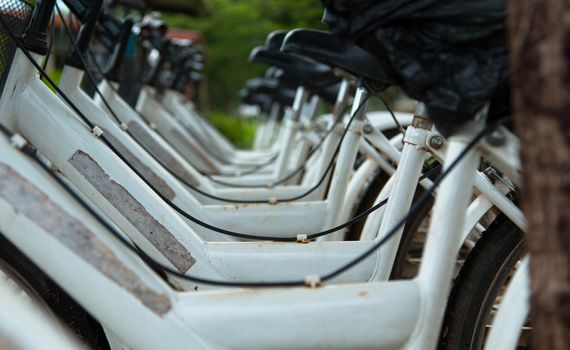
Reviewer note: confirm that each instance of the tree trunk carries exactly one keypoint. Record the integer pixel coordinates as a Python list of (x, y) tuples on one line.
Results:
[(539, 40)]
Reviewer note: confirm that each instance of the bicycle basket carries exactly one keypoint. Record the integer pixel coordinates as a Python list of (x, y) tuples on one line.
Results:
[(16, 14)]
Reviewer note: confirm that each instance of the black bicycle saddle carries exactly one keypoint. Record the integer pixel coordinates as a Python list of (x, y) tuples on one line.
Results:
[(306, 70), (330, 50)]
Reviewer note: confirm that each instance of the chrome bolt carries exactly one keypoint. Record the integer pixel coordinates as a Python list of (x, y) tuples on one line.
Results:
[(367, 128), (436, 142)]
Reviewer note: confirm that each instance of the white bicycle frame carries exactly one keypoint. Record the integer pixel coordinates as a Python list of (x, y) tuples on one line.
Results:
[(266, 134), (179, 137), (138, 211), (205, 136), (253, 218), (172, 230), (384, 315), (15, 330), (155, 145)]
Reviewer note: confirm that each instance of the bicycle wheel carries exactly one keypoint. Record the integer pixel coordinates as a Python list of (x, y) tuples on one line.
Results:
[(480, 284), (371, 193)]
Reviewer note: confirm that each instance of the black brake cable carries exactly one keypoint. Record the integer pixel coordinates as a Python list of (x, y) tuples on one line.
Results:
[(248, 171), (50, 44), (174, 206), (192, 218), (293, 172), (387, 105), (184, 181), (413, 210), (291, 283), (302, 167)]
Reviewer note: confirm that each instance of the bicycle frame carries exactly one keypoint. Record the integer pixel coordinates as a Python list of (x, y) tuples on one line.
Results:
[(155, 145), (16, 330), (178, 136), (346, 315), (140, 214), (205, 137), (176, 228), (38, 216), (265, 219)]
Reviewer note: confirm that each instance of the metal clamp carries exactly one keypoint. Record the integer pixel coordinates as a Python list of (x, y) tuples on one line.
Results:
[(96, 131), (313, 281), (416, 137), (18, 141)]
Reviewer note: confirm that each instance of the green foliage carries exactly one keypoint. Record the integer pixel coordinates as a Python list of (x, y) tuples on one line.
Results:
[(55, 75), (239, 131), (232, 30)]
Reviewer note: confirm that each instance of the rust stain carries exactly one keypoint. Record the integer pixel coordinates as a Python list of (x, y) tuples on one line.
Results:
[(238, 206), (421, 122), (184, 139), (158, 151), (144, 170), (362, 294), (37, 207), (133, 211)]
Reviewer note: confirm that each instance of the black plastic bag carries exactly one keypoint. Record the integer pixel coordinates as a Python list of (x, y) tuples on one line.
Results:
[(450, 54)]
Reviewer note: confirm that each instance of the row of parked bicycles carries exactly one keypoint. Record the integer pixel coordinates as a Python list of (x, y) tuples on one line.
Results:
[(141, 226)]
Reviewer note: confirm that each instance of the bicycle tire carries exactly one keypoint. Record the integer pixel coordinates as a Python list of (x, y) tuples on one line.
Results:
[(367, 200), (479, 283)]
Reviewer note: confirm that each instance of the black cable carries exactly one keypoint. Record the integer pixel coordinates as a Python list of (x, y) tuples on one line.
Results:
[(302, 167), (174, 206), (418, 204), (387, 105), (307, 192), (191, 217), (50, 45), (159, 266), (294, 172), (184, 181), (250, 171), (413, 210), (203, 223)]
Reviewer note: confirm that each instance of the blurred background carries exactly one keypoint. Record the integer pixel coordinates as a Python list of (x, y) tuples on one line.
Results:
[(231, 29)]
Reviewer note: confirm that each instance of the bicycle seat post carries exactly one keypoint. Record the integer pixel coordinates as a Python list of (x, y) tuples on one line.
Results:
[(438, 261), (404, 186)]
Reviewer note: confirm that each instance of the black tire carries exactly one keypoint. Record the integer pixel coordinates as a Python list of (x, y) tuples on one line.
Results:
[(367, 201), (407, 248), (61, 305), (480, 281), (372, 192)]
